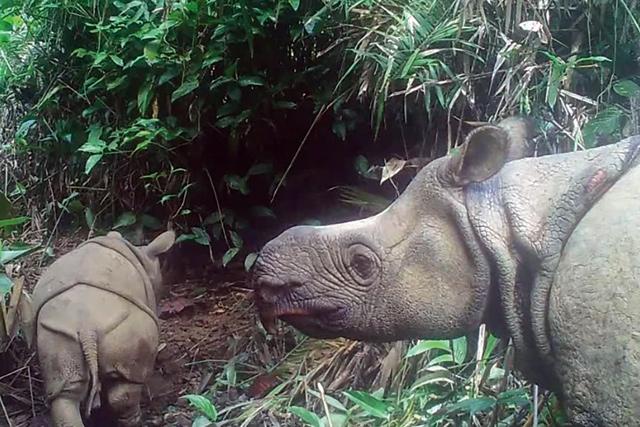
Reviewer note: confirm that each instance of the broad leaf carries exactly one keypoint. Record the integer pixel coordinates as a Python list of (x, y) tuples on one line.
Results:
[(203, 405), (229, 255), (262, 211), (125, 219), (472, 406), (260, 169), (250, 260), (307, 416), (11, 254), (459, 349), (92, 161), (94, 144), (626, 88), (145, 94), (186, 88), (372, 405), (13, 221), (426, 345), (236, 239), (5, 285), (295, 4)]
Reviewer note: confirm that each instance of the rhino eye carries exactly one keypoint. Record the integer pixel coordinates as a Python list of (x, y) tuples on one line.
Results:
[(363, 263)]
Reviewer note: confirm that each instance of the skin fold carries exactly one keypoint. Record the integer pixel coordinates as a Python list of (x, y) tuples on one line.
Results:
[(487, 235), (96, 327)]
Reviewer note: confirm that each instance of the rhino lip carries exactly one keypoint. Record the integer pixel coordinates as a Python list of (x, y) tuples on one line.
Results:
[(292, 314)]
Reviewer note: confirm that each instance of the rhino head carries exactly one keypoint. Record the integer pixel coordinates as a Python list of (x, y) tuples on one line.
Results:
[(414, 270), (150, 256)]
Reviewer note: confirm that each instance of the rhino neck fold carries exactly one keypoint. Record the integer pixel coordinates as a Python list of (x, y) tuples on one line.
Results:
[(524, 216), (123, 249)]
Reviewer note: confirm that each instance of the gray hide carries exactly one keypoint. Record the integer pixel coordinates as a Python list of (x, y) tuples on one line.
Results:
[(543, 250), (96, 326)]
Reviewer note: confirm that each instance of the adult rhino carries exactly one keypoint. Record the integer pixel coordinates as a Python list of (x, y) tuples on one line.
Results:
[(543, 250)]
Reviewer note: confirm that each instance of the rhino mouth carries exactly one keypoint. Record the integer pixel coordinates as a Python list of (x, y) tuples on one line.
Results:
[(313, 318)]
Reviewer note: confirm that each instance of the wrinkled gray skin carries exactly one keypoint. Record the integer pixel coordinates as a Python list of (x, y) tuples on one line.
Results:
[(96, 326), (543, 250)]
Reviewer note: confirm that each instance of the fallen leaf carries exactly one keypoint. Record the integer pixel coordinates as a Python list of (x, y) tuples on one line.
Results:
[(173, 306), (391, 167), (262, 385)]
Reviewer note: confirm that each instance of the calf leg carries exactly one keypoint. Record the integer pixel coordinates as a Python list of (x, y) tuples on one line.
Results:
[(124, 400), (65, 412)]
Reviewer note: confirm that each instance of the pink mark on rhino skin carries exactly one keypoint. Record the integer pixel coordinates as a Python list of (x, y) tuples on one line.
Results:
[(596, 180)]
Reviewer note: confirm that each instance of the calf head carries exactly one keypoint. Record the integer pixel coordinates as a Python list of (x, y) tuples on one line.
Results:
[(150, 256), (414, 270)]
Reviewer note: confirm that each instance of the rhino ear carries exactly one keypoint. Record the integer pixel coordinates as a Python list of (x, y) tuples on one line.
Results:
[(483, 154), (114, 235), (161, 244)]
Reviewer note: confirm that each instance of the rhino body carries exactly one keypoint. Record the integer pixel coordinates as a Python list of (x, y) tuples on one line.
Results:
[(96, 327), (543, 250)]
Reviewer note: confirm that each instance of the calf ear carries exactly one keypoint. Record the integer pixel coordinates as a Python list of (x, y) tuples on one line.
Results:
[(161, 244), (483, 154)]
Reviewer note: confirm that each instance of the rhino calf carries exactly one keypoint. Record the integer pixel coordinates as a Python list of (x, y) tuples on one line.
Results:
[(543, 250), (96, 326)]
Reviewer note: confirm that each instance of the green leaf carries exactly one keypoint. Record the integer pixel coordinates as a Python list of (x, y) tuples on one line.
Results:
[(492, 341), (203, 405), (442, 376), (92, 161), (201, 421), (517, 397), (555, 78), (471, 406), (426, 345), (236, 239), (339, 128), (362, 166), (124, 220), (236, 183), (250, 81), (260, 169), (168, 75), (114, 84), (151, 50), (459, 349), (116, 60), (152, 223), (145, 95), (89, 217), (372, 405), (249, 260), (12, 254), (262, 212), (606, 122), (284, 105), (307, 416), (94, 144), (626, 88), (5, 207), (10, 222), (200, 236), (229, 255), (331, 401), (213, 218), (24, 128), (5, 284), (185, 88), (295, 4)]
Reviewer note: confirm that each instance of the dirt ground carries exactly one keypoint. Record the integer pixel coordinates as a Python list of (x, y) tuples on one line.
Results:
[(207, 318)]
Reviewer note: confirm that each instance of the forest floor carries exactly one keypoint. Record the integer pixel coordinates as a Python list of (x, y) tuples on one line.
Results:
[(207, 320)]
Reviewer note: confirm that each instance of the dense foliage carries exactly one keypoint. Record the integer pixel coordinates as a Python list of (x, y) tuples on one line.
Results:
[(118, 113)]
